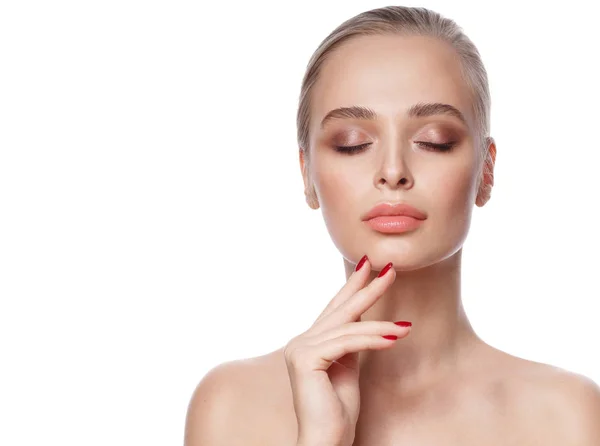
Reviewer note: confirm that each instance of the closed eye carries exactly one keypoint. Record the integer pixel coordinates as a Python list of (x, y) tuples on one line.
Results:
[(445, 147), (351, 149)]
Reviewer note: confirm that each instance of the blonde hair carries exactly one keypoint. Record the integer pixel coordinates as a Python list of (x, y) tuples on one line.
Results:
[(406, 21)]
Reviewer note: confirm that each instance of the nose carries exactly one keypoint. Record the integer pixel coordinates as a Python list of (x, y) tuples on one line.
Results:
[(393, 170)]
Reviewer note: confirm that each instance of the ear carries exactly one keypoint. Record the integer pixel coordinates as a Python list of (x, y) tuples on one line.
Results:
[(486, 179), (309, 190)]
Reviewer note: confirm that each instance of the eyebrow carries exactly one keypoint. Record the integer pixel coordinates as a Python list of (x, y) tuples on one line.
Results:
[(418, 110)]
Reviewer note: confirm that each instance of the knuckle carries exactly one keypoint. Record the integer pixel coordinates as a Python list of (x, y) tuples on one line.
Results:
[(347, 312), (346, 338), (299, 356), (288, 351), (294, 352)]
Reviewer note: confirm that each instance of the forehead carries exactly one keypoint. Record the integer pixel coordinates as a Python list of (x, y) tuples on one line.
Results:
[(389, 74)]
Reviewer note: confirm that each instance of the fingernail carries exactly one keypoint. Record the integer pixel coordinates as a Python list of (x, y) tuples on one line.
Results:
[(385, 269), (392, 337), (361, 263), (403, 323)]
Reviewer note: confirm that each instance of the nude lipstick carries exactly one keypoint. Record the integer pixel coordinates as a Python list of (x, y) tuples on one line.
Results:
[(394, 218)]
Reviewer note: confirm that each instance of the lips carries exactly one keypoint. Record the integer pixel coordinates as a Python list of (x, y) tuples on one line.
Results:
[(386, 209)]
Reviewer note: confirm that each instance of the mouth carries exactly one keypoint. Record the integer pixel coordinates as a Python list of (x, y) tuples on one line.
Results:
[(394, 210), (393, 224)]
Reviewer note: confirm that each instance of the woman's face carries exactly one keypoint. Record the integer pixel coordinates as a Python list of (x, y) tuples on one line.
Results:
[(389, 75)]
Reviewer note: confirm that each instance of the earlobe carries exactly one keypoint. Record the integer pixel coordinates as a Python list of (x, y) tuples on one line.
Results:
[(311, 199), (303, 167), (309, 190), (486, 182)]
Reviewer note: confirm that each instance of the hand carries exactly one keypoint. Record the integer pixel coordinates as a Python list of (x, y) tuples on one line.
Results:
[(323, 361)]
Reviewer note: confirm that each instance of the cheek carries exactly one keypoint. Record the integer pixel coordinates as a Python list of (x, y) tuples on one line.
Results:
[(453, 184), (456, 190), (342, 199), (336, 180), (338, 191), (453, 199)]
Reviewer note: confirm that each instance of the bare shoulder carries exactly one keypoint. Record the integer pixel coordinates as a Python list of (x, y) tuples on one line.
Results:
[(242, 402), (557, 403)]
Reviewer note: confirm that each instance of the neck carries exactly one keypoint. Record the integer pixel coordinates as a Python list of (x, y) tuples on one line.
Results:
[(441, 337)]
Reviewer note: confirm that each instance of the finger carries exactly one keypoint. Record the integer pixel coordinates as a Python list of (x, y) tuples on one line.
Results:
[(380, 328), (320, 356), (355, 282), (352, 308)]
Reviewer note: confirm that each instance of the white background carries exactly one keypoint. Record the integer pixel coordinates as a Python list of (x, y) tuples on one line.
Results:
[(152, 215)]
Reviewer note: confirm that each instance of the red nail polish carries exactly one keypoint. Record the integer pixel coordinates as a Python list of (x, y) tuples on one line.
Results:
[(361, 263), (392, 337), (403, 323), (385, 269)]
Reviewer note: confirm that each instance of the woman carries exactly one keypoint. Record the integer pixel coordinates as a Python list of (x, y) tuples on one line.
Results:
[(393, 130)]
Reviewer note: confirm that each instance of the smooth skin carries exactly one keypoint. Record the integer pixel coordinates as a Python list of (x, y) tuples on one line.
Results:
[(439, 383)]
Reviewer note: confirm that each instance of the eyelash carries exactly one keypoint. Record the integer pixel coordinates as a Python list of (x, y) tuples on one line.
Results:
[(436, 147)]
